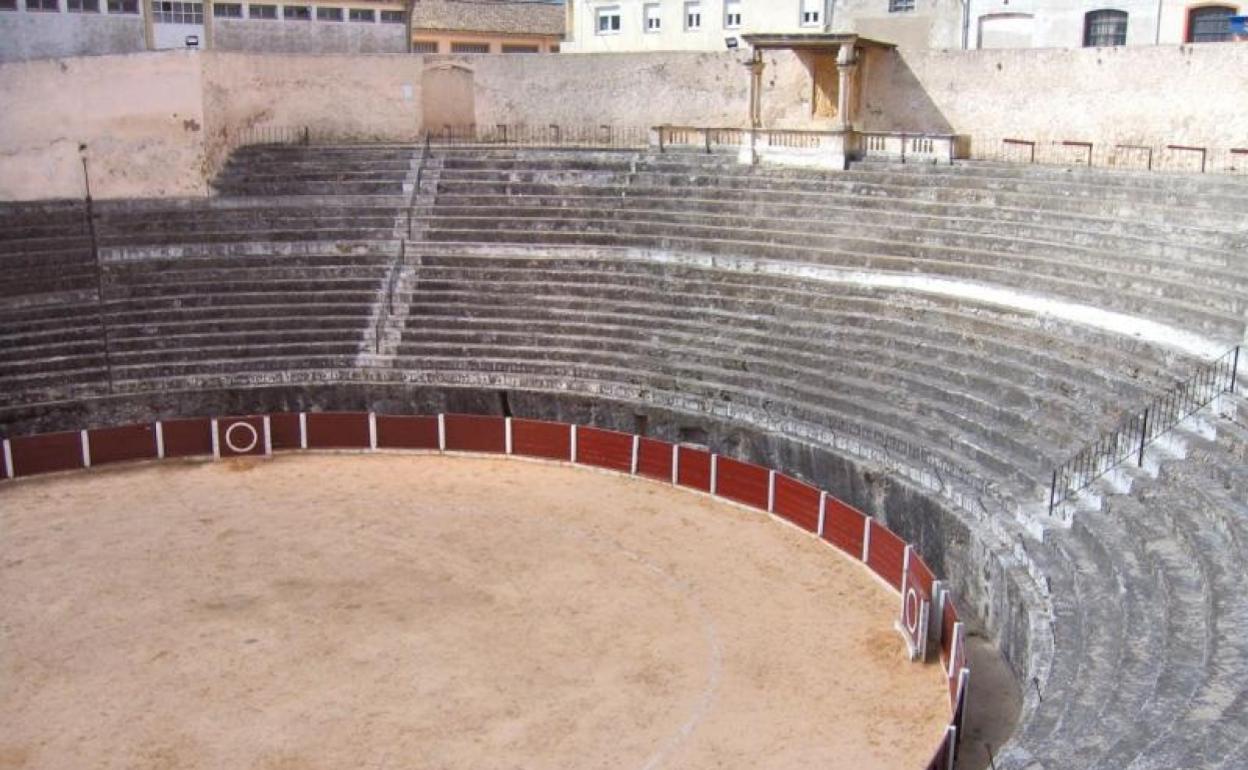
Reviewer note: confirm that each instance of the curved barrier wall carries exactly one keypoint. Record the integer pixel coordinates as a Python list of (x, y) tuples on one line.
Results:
[(926, 615)]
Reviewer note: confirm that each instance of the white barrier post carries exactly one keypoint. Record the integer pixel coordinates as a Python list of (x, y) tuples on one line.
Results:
[(8, 459), (372, 431), (573, 448), (86, 448), (771, 491), (675, 463), (303, 430), (507, 435), (441, 432), (160, 440), (636, 454), (866, 539), (823, 507), (216, 442), (714, 474), (268, 436)]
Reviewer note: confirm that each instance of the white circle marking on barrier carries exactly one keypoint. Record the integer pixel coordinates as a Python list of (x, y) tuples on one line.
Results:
[(912, 611), (242, 450)]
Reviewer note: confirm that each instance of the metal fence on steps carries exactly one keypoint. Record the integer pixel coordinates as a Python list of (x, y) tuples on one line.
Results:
[(1126, 443)]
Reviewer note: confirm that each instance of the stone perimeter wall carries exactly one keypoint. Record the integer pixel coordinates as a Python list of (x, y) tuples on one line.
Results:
[(160, 124)]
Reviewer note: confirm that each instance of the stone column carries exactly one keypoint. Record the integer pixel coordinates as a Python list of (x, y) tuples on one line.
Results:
[(149, 32), (846, 97), (207, 41)]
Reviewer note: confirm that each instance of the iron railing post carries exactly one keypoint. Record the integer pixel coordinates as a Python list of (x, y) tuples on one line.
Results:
[(1143, 438), (1053, 492), (1234, 370)]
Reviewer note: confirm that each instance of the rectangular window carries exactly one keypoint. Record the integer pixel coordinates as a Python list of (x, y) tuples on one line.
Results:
[(1104, 28), (425, 46), (393, 17), (812, 13), (900, 6), (361, 14), (48, 6), (262, 11), (521, 49), (732, 14), (8, 5), (328, 14), (608, 20), (654, 18), (83, 6), (170, 12), (470, 47), (297, 12), (227, 10), (693, 17)]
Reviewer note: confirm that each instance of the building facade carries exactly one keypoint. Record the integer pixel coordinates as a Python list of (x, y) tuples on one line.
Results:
[(675, 25), (31, 29)]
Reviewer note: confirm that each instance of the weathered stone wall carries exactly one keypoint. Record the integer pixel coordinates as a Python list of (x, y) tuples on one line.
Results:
[(29, 35), (312, 36), (1132, 95), (138, 119)]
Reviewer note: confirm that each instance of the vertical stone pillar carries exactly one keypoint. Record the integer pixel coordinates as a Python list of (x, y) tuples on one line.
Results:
[(149, 31), (207, 41), (756, 90), (847, 69)]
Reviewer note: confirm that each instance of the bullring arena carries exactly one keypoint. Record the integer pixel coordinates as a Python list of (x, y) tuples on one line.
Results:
[(394, 411)]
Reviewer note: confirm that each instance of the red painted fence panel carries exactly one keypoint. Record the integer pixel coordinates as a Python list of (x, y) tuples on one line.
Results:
[(921, 572), (654, 459), (843, 527), (475, 433), (694, 469), (338, 430), (46, 453), (536, 438), (187, 438), (948, 619), (239, 436), (284, 430), (124, 444), (797, 502), (407, 432), (743, 482), (604, 449), (886, 554)]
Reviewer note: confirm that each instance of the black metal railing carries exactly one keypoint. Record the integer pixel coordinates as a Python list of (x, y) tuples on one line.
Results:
[(1127, 442), (553, 135)]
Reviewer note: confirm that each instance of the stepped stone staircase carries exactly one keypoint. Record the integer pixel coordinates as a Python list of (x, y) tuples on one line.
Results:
[(884, 313)]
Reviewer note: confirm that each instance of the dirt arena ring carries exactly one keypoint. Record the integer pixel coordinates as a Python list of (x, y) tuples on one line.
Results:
[(421, 611)]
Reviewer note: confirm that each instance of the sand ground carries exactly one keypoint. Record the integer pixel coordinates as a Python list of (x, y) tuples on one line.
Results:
[(398, 611)]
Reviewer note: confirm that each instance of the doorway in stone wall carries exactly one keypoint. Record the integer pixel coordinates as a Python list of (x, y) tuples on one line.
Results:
[(448, 97), (826, 84)]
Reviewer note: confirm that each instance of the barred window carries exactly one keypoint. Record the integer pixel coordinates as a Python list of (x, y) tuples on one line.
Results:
[(328, 14), (262, 11), (470, 47), (424, 46), (297, 12), (900, 6), (8, 5), (50, 6), (521, 49), (168, 12), (83, 6), (392, 17), (361, 14), (1211, 24), (123, 6), (1104, 28), (227, 10)]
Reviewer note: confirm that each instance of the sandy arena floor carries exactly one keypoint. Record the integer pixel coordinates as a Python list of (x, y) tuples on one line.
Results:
[(387, 611)]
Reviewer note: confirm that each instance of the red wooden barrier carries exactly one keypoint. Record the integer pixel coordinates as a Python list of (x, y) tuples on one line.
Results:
[(943, 759), (743, 482), (187, 438), (47, 453), (948, 620), (797, 502), (284, 431), (843, 527), (338, 430), (654, 459), (957, 662), (117, 445), (694, 469), (916, 603), (405, 432), (535, 438), (885, 554), (475, 433), (605, 449), (239, 436), (922, 573)]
